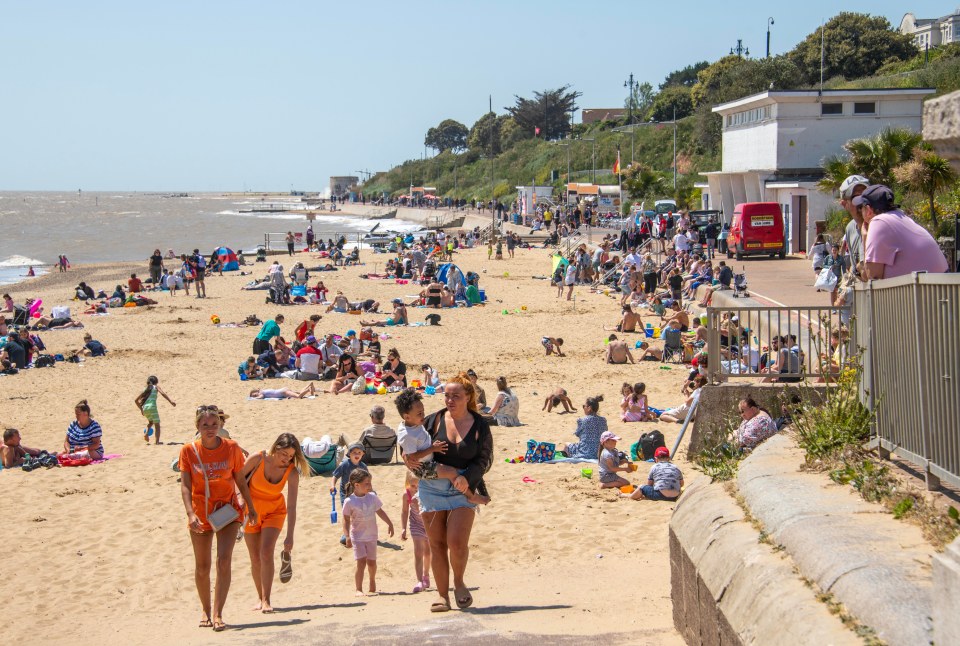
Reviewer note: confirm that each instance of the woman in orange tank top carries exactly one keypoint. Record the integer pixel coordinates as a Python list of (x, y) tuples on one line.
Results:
[(266, 474)]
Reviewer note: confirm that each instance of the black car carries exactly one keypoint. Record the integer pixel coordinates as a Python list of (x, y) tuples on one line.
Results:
[(701, 218)]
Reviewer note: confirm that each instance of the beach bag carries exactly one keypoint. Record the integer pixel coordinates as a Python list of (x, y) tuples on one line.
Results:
[(222, 516), (539, 451), (44, 361), (359, 387), (649, 443), (827, 280), (60, 312)]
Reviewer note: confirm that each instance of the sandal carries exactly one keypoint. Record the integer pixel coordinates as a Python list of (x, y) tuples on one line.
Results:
[(286, 567), (463, 598), (219, 626), (206, 623), (440, 606)]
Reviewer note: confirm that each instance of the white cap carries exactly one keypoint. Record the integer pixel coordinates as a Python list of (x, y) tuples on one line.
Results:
[(847, 186)]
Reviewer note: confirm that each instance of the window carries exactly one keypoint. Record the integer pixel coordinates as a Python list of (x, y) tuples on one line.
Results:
[(748, 116), (868, 107), (831, 109)]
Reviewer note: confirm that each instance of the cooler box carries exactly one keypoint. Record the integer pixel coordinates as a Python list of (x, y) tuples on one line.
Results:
[(299, 290)]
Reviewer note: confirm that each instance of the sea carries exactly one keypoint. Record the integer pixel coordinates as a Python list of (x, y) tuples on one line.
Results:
[(37, 227)]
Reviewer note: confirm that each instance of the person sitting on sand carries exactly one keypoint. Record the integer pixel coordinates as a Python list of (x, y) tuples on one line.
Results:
[(399, 316), (634, 405), (557, 398), (447, 298), (281, 393), (12, 452), (91, 347), (589, 429), (339, 304), (628, 320), (377, 429), (84, 435), (617, 351), (506, 407), (7, 304), (648, 353), (251, 369), (691, 390), (552, 345), (664, 482), (433, 293), (757, 425), (347, 374), (83, 292), (612, 462), (678, 314)]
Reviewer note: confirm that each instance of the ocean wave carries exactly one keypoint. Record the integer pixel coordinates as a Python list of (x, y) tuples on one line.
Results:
[(20, 261), (228, 212)]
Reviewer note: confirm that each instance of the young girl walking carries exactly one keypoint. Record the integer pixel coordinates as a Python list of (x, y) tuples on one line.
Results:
[(147, 403), (360, 510), (410, 515)]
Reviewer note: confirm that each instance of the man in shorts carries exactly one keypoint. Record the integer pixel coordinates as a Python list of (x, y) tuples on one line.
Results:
[(199, 265)]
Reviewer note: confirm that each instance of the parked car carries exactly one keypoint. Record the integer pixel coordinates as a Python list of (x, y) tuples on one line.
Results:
[(701, 218), (756, 229)]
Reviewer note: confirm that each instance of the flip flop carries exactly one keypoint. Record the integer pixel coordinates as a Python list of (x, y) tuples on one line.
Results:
[(219, 626), (440, 606), (206, 623), (286, 566), (463, 598)]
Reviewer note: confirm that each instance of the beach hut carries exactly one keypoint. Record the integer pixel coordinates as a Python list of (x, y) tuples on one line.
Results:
[(228, 259)]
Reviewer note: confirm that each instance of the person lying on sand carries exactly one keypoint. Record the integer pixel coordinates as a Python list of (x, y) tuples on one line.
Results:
[(281, 393), (12, 451)]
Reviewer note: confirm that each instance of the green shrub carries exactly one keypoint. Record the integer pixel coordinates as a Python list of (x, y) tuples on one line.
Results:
[(825, 432), (718, 457)]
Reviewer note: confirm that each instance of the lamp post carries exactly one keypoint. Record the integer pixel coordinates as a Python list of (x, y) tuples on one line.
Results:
[(740, 50), (769, 22), (674, 149), (630, 83), (567, 146)]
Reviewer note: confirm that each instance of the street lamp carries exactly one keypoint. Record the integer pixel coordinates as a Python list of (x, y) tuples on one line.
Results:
[(769, 22), (630, 84), (740, 50), (567, 146)]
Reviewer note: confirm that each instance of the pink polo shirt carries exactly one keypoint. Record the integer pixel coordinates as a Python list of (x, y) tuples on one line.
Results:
[(895, 240)]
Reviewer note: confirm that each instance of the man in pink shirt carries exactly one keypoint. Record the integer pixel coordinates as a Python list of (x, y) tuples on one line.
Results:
[(895, 244)]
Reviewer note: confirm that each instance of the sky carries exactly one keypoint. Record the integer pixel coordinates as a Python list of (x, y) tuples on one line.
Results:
[(218, 96)]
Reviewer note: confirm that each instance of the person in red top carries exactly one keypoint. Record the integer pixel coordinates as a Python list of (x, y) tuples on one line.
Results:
[(305, 329), (222, 460), (135, 285)]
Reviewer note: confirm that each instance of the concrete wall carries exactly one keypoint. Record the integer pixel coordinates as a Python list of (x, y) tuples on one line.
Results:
[(718, 405), (751, 147)]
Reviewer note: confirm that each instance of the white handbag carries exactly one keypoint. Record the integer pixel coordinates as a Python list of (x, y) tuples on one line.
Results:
[(827, 280)]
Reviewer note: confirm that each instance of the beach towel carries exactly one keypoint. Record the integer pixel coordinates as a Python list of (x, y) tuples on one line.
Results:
[(571, 461)]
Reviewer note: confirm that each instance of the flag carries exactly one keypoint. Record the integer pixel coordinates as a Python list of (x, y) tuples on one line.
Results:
[(616, 164), (536, 131)]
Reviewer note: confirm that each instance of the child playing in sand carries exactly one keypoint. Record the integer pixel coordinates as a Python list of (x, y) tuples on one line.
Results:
[(410, 514), (552, 345), (147, 403), (665, 480), (416, 443), (360, 525), (558, 397), (612, 461), (489, 248), (499, 249)]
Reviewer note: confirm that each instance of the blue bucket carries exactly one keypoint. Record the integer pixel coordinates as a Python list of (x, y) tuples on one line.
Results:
[(483, 295)]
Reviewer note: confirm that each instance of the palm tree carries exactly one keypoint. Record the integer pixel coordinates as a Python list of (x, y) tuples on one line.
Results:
[(836, 169), (926, 173), (877, 156), (641, 181)]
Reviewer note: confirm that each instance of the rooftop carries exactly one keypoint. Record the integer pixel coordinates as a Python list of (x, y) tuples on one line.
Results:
[(799, 96)]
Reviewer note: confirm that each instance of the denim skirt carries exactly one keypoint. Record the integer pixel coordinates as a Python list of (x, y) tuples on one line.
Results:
[(440, 495)]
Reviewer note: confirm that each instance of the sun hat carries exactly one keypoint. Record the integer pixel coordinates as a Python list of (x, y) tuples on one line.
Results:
[(608, 435), (847, 186), (662, 452), (876, 196)]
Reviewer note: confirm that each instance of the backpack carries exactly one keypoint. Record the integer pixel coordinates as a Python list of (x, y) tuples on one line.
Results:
[(44, 361), (649, 443)]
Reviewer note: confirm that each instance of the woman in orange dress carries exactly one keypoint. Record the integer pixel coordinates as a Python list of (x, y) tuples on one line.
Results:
[(267, 473), (221, 461)]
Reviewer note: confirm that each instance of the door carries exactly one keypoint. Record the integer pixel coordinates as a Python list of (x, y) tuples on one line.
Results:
[(799, 208)]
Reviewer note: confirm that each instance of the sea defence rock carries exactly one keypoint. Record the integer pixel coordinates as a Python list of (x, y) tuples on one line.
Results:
[(946, 595), (728, 588), (941, 126), (878, 567)]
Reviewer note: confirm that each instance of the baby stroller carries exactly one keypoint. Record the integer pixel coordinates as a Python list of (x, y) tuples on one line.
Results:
[(740, 285), (261, 253), (429, 269)]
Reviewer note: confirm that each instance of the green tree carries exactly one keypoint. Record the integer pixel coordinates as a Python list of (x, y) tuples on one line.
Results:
[(686, 194), (854, 45), (511, 133), (484, 136), (686, 77), (548, 110), (927, 174), (836, 168), (640, 181), (877, 156), (733, 77), (449, 135), (677, 96)]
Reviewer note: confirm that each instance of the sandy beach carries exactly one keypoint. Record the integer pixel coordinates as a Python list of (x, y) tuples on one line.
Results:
[(102, 552)]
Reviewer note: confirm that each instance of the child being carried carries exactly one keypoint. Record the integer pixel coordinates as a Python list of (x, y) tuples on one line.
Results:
[(416, 443)]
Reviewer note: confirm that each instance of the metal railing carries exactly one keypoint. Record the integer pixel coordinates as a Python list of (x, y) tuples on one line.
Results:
[(907, 330), (744, 343)]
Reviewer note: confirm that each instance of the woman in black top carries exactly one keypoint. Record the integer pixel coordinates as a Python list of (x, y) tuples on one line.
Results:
[(394, 371), (347, 373), (447, 514), (434, 292), (156, 266)]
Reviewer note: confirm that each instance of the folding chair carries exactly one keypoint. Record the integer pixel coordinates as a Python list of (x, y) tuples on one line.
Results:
[(672, 346), (380, 450), (324, 464)]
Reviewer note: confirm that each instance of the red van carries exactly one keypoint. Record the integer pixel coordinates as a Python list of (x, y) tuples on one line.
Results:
[(757, 229)]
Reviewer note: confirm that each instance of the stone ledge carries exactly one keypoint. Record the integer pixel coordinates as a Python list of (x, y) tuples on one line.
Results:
[(879, 568), (728, 588), (941, 126)]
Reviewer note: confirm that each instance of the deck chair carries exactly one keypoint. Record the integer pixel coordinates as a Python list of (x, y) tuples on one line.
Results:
[(672, 346), (379, 450), (325, 464)]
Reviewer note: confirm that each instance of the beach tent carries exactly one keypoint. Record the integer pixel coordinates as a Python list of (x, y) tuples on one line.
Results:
[(559, 261), (445, 273), (228, 259)]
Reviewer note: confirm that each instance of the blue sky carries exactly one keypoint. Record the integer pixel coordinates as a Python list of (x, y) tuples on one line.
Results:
[(210, 95)]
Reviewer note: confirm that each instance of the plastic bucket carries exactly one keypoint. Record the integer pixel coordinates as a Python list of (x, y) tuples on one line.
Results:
[(648, 331), (483, 295)]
